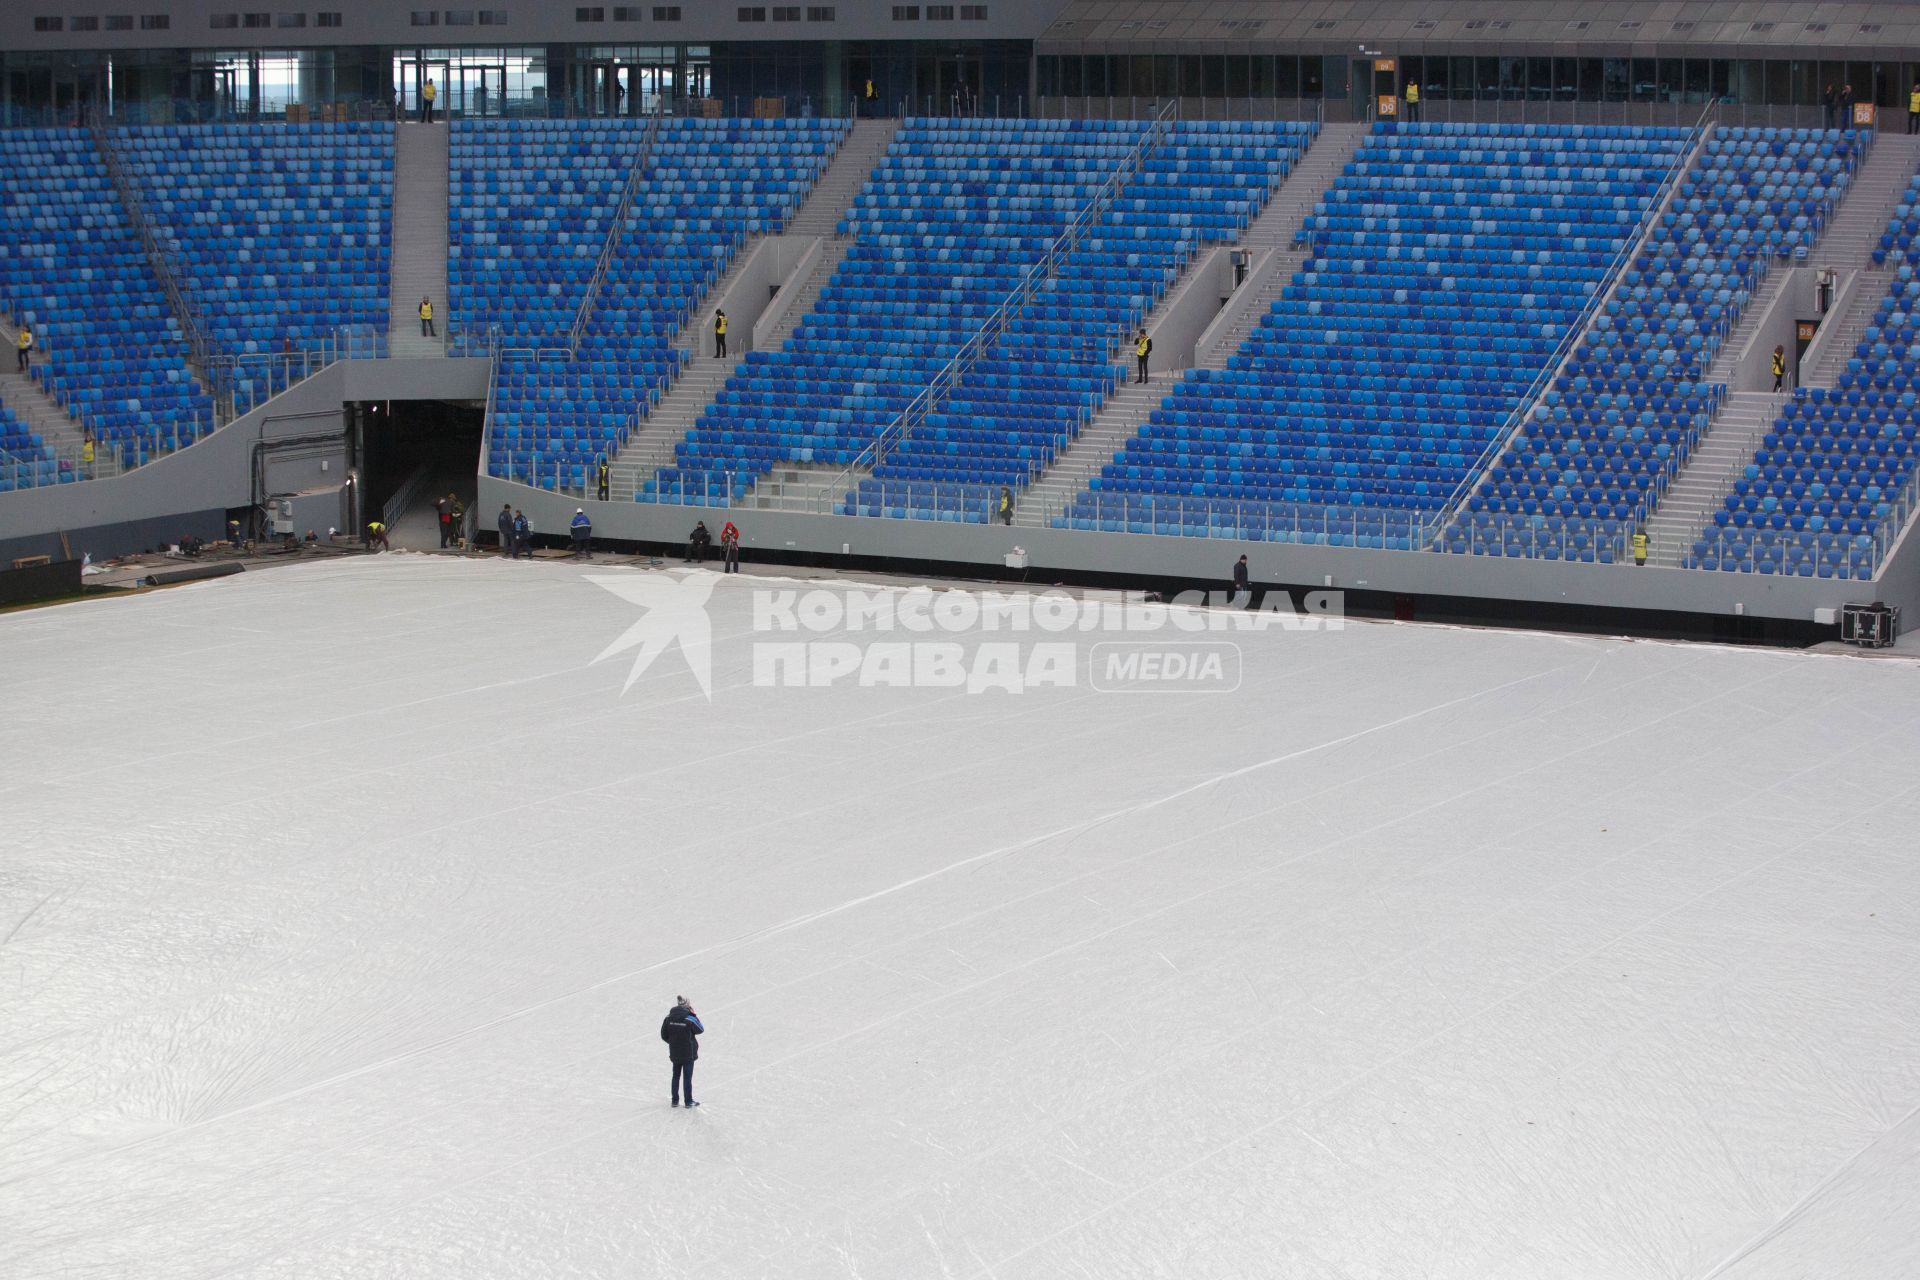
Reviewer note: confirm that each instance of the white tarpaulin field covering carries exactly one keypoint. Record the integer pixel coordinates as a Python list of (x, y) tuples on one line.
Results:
[(340, 906)]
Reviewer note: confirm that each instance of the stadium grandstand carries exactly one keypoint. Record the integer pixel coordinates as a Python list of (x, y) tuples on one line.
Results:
[(1455, 302), (1534, 385)]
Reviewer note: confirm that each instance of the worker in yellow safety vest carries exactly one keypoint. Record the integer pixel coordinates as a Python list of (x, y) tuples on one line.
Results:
[(377, 536), (1640, 547), (869, 98), (1413, 102), (24, 345), (427, 94), (1779, 367), (719, 335), (426, 318), (1913, 109), (86, 456), (1142, 348)]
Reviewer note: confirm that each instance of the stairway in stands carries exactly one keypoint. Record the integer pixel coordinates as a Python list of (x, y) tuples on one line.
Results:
[(1129, 407), (1745, 417), (419, 239), (1712, 466), (1849, 246), (702, 375), (37, 410)]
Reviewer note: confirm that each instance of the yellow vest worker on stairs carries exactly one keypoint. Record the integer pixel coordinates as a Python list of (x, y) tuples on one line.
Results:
[(719, 335), (24, 345), (1913, 110), (1640, 547), (1413, 103), (426, 319), (1142, 348)]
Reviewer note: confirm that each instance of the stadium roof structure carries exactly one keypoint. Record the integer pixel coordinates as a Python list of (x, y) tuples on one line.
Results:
[(1722, 28)]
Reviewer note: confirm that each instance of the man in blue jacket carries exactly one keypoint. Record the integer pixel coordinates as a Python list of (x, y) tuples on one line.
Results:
[(582, 532), (679, 1030)]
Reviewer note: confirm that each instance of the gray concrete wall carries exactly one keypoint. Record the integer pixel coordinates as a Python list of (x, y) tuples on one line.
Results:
[(768, 267), (190, 491), (1186, 316), (1775, 328), (796, 258), (1538, 582)]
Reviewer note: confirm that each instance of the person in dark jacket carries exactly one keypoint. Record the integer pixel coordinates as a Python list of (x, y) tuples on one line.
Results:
[(522, 535), (1846, 107), (1830, 103), (505, 524), (698, 541), (679, 1030), (603, 477), (582, 532), (1240, 584)]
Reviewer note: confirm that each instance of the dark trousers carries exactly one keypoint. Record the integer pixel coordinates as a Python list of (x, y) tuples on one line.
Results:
[(426, 111), (683, 1071), (696, 551), (1778, 378), (446, 531), (1143, 369), (1913, 122), (426, 328), (23, 358), (603, 488), (1413, 113), (719, 346), (733, 557), (580, 547), (506, 541)]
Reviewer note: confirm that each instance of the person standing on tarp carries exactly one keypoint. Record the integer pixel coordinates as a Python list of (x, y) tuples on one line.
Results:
[(1241, 587), (680, 1030)]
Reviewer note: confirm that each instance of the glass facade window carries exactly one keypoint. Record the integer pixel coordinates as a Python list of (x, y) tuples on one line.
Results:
[(973, 13), (666, 13)]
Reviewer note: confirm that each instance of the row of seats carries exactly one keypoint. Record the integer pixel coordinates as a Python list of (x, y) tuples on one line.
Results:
[(956, 213), (1055, 363), (278, 237), (1602, 445), (1448, 263), (555, 418), (1834, 478), (111, 351)]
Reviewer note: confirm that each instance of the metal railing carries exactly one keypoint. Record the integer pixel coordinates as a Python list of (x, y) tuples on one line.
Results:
[(135, 209), (1480, 470), (1317, 524), (406, 495), (615, 229)]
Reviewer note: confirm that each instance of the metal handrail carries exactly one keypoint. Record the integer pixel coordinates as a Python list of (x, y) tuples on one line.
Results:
[(1031, 280), (156, 256), (628, 193), (1480, 471)]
